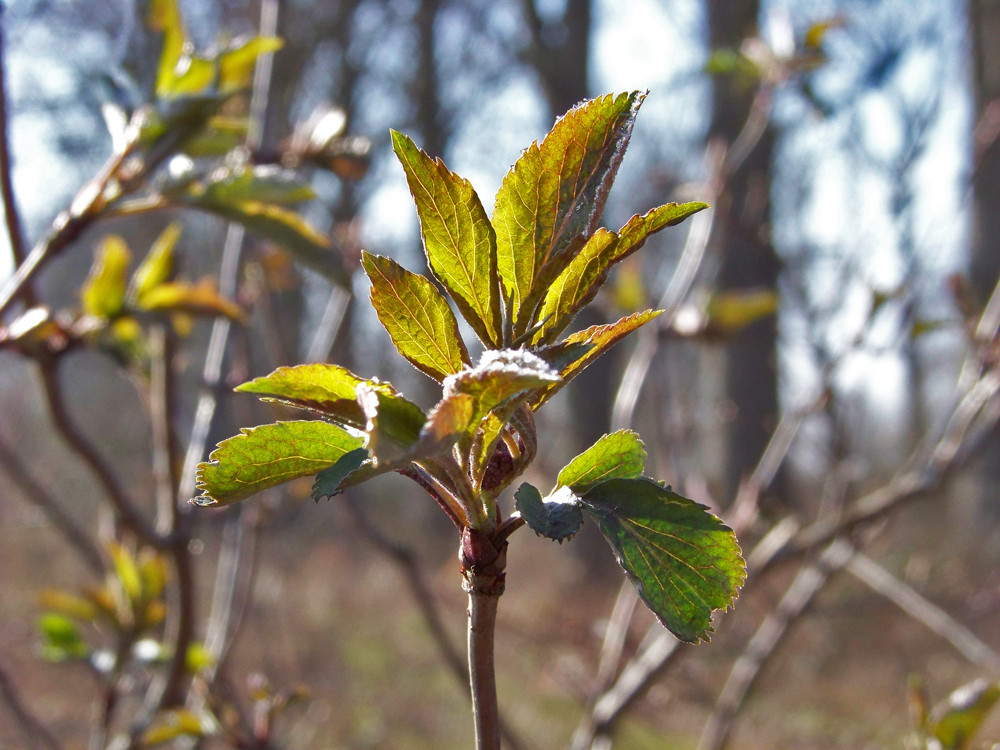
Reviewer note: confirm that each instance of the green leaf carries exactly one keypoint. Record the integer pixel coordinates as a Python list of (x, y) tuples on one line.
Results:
[(418, 319), (554, 194), (557, 517), (620, 455), (955, 721), (265, 183), (580, 280), (583, 347), (392, 423), (192, 299), (328, 389), (164, 16), (734, 309), (328, 482), (236, 65), (174, 724), (458, 238), (500, 376), (158, 265), (103, 293), (62, 638), (283, 227), (684, 561), (268, 455)]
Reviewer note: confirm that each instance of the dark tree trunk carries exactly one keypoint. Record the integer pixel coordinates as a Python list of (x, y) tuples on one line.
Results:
[(742, 238)]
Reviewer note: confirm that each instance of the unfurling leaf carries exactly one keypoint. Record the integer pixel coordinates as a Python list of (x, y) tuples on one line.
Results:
[(684, 561), (620, 455), (500, 376), (580, 349), (103, 293), (192, 299), (557, 517), (458, 238), (328, 482), (416, 316), (555, 194), (266, 456)]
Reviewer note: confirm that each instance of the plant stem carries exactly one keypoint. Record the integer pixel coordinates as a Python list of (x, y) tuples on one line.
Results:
[(484, 558), (482, 676)]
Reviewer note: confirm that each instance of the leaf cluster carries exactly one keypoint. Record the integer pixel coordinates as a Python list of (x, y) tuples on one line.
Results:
[(517, 278)]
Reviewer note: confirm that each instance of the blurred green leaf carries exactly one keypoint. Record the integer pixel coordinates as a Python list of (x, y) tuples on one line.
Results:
[(103, 293), (66, 603), (583, 347), (554, 195), (268, 455), (684, 561), (620, 455), (265, 183), (733, 310), (164, 16), (236, 65), (418, 319), (198, 658), (557, 517), (458, 238), (62, 638), (127, 571), (192, 299), (172, 725), (158, 265), (219, 136), (955, 721)]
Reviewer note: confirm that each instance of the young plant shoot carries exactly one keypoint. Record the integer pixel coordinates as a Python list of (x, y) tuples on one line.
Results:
[(518, 279)]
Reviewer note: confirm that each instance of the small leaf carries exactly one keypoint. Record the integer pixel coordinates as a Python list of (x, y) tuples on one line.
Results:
[(266, 183), (583, 347), (684, 561), (198, 299), (392, 423), (328, 481), (500, 376), (127, 571), (418, 319), (197, 658), (268, 455), (458, 238), (103, 292), (955, 721), (164, 16), (328, 389), (158, 265), (236, 65), (62, 638), (557, 517), (174, 724), (68, 604), (620, 455), (733, 310), (554, 194)]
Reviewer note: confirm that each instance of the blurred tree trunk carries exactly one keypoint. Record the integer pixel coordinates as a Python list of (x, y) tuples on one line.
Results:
[(742, 239), (984, 261)]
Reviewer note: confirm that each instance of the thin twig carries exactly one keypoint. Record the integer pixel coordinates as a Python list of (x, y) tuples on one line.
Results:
[(12, 216), (76, 535), (36, 733), (920, 609)]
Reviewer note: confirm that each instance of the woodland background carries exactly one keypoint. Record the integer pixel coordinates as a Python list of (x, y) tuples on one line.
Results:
[(815, 381)]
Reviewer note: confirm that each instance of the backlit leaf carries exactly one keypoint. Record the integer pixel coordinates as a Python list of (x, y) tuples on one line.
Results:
[(158, 265), (174, 724), (557, 517), (684, 561), (236, 65), (955, 721), (586, 346), (458, 238), (416, 316), (499, 376), (620, 455), (164, 16), (192, 299), (103, 293), (555, 193), (266, 183), (393, 424), (268, 455), (328, 389)]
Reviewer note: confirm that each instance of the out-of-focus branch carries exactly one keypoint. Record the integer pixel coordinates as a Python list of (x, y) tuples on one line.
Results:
[(920, 609), (58, 517), (12, 216), (803, 589), (35, 732)]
